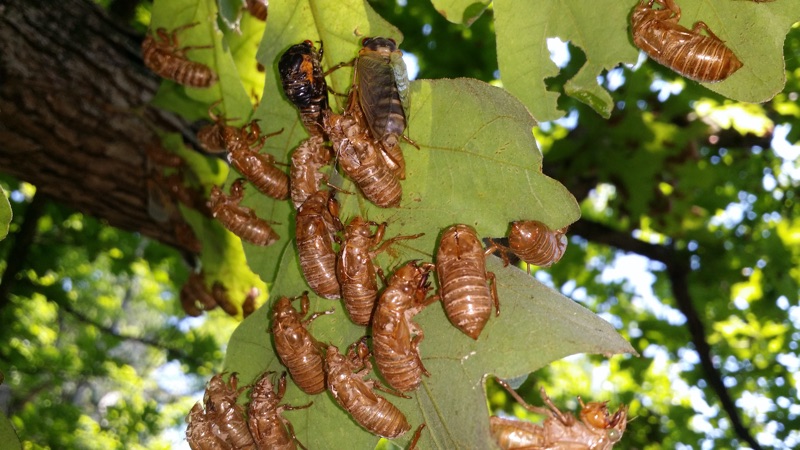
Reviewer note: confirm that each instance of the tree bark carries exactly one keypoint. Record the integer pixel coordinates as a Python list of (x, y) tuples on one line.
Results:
[(74, 114)]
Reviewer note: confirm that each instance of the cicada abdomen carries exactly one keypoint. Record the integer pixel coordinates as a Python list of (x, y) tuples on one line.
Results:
[(535, 243), (305, 173), (361, 159), (258, 8), (240, 220), (259, 168), (296, 347), (395, 337), (355, 267), (691, 54), (304, 83), (463, 280), (269, 428), (316, 225), (356, 395), (162, 55)]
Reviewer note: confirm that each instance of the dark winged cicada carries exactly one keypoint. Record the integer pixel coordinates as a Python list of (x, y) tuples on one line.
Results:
[(304, 84), (381, 80)]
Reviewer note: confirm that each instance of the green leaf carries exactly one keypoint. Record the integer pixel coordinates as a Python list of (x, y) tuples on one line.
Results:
[(5, 214), (230, 90), (8, 436), (460, 11), (536, 326), (602, 31)]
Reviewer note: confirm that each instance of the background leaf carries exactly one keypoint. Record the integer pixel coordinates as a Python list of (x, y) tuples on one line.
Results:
[(524, 59), (5, 214), (460, 11)]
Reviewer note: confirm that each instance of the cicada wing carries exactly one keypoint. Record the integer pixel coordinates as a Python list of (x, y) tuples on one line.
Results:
[(401, 79), (375, 85)]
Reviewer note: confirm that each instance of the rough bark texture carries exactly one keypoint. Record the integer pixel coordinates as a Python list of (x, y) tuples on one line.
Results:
[(74, 119)]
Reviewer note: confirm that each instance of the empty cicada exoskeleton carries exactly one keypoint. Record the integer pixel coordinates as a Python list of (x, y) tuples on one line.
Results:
[(202, 432), (463, 280), (195, 296), (240, 220), (296, 347), (305, 174), (225, 414), (691, 54), (356, 270), (316, 225), (395, 337), (356, 395), (258, 8), (381, 82), (360, 157), (269, 428), (304, 83), (259, 168), (598, 429), (535, 243), (163, 56), (249, 304), (220, 294), (212, 136)]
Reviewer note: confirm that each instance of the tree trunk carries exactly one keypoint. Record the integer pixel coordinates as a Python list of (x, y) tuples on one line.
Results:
[(74, 114)]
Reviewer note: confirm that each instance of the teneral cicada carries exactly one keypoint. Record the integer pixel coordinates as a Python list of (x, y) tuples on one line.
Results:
[(304, 84), (691, 54)]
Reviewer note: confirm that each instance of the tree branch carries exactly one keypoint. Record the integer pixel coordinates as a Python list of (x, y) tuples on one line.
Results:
[(172, 352), (678, 271)]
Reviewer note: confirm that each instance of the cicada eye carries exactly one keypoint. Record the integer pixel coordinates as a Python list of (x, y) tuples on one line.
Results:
[(308, 43), (365, 42), (393, 41)]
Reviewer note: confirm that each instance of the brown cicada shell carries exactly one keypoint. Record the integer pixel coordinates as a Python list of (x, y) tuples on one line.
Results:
[(195, 297), (535, 243), (356, 395), (355, 268), (249, 304), (202, 432), (212, 136), (296, 347), (691, 54), (598, 429), (316, 226), (258, 8), (463, 280), (240, 220), (259, 168), (162, 55), (223, 419), (361, 158), (269, 428), (395, 337), (305, 173), (303, 81)]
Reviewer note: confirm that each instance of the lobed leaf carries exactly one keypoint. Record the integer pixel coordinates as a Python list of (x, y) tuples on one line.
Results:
[(5, 214), (754, 31), (460, 11)]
